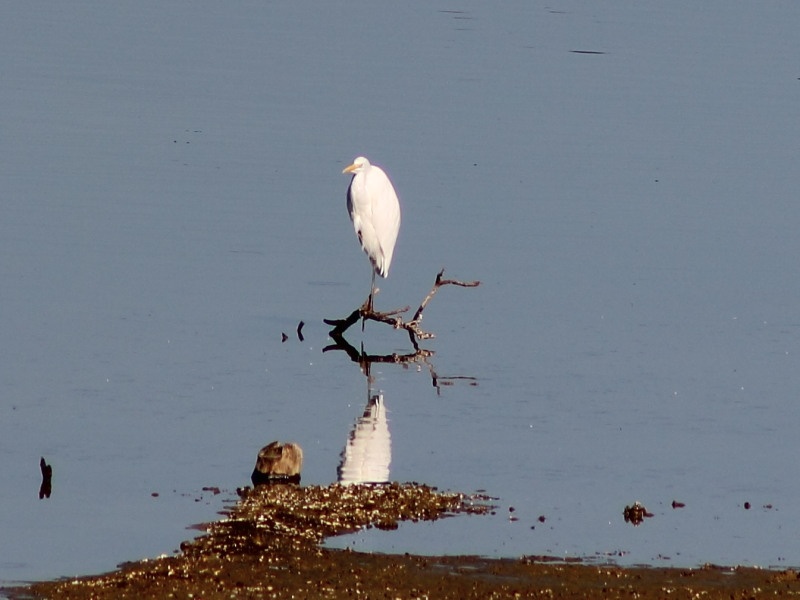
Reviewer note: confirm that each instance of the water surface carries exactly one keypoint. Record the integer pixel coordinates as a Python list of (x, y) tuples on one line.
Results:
[(622, 179)]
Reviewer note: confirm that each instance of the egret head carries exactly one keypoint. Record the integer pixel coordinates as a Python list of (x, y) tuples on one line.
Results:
[(358, 165)]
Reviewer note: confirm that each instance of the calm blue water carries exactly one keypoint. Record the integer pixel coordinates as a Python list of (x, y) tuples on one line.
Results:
[(172, 201)]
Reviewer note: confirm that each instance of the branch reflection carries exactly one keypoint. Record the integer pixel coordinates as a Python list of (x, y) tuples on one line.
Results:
[(419, 356), (368, 450)]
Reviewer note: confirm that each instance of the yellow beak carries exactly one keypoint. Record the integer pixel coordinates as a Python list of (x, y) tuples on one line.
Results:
[(351, 168)]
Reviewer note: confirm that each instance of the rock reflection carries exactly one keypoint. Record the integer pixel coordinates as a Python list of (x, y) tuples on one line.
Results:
[(368, 452)]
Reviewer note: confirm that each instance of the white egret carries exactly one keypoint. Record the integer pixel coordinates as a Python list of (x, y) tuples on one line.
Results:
[(375, 212)]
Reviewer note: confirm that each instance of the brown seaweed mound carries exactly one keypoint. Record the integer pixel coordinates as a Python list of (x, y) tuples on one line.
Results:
[(268, 547)]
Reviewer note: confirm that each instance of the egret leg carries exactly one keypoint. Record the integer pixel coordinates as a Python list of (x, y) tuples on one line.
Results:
[(372, 290), (369, 300)]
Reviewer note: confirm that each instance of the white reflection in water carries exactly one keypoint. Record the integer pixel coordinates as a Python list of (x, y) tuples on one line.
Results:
[(368, 451)]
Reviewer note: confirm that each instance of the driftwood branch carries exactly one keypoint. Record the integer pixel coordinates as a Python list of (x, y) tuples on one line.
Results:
[(393, 318)]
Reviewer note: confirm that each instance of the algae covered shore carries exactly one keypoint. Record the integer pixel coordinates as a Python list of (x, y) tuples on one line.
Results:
[(268, 546)]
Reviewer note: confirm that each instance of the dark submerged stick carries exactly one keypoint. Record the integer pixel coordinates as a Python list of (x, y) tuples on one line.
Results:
[(47, 479)]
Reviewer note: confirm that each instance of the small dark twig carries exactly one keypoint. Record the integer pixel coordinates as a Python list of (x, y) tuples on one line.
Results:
[(300, 331), (47, 479)]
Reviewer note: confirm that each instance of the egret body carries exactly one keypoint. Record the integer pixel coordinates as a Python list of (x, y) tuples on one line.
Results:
[(375, 212)]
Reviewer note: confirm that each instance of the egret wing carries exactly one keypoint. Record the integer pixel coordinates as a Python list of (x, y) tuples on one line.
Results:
[(385, 217)]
